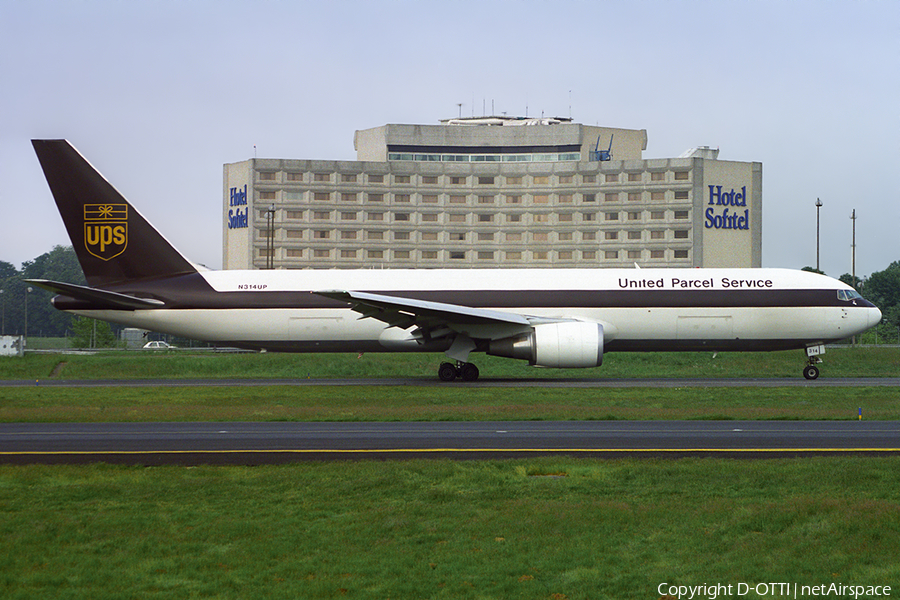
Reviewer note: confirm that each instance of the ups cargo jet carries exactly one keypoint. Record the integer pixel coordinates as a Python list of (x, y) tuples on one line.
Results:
[(548, 317)]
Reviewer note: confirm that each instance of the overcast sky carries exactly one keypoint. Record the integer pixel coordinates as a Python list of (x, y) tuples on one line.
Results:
[(158, 95)]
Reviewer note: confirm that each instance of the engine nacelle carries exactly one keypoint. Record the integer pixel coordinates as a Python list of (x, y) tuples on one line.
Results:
[(572, 344)]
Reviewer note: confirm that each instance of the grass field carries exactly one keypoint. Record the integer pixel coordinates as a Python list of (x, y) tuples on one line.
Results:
[(543, 528), (552, 528)]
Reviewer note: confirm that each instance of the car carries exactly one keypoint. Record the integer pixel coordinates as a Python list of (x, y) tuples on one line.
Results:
[(158, 346)]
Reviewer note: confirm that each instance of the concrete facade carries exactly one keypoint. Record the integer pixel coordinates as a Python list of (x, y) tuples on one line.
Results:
[(488, 194)]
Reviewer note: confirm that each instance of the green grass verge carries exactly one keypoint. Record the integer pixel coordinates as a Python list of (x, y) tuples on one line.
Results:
[(408, 403), (545, 528), (839, 362)]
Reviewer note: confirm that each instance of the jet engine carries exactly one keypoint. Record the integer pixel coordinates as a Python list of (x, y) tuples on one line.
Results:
[(570, 344)]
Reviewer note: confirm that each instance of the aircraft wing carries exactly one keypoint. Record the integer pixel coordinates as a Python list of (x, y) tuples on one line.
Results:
[(100, 299), (434, 319)]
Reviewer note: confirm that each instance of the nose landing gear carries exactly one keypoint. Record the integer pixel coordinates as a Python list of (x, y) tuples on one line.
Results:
[(811, 371), (465, 371)]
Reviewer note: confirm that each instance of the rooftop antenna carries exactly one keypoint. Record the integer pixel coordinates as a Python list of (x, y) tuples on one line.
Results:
[(459, 104)]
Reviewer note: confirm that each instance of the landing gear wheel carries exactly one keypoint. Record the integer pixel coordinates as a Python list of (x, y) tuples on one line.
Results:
[(811, 371), (468, 372), (447, 372)]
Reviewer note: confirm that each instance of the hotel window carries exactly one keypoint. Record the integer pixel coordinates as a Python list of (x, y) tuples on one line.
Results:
[(514, 199), (485, 181), (612, 216), (588, 236), (458, 218), (612, 178), (348, 216), (374, 235), (294, 252), (566, 179), (657, 196), (294, 234), (348, 253), (514, 218), (635, 177), (541, 236), (401, 178), (611, 235), (681, 254), (514, 255), (375, 197), (634, 254), (348, 178), (513, 181), (541, 198), (485, 199), (401, 216), (429, 180), (401, 197), (487, 255), (657, 215), (658, 176), (539, 218), (322, 177), (589, 255), (429, 199), (321, 196), (634, 216), (401, 235), (294, 214), (588, 197), (348, 197), (657, 254), (611, 197), (267, 195), (429, 236), (321, 215), (589, 217), (457, 181), (429, 254), (565, 198), (682, 195), (457, 236), (634, 235), (270, 176), (634, 197), (457, 256), (322, 253), (485, 237), (539, 255), (565, 236), (681, 234), (588, 179), (457, 199), (565, 218), (611, 254), (681, 175), (295, 176), (564, 255), (485, 218), (681, 214), (429, 218), (321, 234), (540, 180), (376, 178), (658, 235), (349, 235), (514, 237), (401, 254), (375, 254), (375, 216)]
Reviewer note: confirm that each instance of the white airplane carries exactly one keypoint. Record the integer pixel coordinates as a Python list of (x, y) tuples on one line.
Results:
[(548, 317)]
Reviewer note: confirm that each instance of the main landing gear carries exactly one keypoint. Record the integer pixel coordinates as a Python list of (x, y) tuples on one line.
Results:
[(463, 370)]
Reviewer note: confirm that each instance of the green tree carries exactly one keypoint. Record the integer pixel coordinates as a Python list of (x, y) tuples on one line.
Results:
[(91, 333)]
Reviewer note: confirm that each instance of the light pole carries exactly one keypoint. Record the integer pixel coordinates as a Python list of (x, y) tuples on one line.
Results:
[(28, 290), (818, 206), (3, 320)]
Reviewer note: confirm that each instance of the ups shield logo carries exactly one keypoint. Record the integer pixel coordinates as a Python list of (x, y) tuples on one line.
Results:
[(105, 229)]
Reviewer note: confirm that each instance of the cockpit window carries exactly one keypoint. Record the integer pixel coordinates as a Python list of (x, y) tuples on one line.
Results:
[(848, 295)]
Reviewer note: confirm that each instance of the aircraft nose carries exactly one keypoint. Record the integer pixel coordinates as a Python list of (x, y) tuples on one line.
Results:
[(874, 316)]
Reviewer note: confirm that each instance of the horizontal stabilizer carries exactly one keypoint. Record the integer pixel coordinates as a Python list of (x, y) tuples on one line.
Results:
[(98, 299)]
